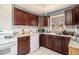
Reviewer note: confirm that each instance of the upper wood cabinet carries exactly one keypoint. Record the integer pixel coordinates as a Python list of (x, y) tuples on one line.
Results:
[(43, 20), (68, 17), (24, 18), (33, 20), (72, 16), (75, 12), (19, 17)]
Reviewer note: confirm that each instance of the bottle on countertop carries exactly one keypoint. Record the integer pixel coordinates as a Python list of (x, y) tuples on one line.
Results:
[(23, 32)]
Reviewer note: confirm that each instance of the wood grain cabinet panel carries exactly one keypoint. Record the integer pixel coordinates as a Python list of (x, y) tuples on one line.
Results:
[(66, 41), (43, 21), (72, 15), (56, 43), (23, 45), (68, 17), (75, 12), (19, 17)]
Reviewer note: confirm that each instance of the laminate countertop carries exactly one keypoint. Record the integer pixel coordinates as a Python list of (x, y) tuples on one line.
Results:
[(57, 34)]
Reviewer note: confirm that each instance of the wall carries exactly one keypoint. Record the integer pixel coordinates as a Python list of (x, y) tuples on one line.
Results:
[(5, 17), (19, 28)]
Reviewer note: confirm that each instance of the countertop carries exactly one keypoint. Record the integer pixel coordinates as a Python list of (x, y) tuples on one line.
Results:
[(23, 35), (57, 34)]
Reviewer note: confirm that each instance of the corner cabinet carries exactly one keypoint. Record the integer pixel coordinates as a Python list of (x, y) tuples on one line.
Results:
[(72, 15), (23, 45), (43, 21)]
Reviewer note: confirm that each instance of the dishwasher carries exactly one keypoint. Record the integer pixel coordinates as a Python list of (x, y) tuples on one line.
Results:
[(34, 41)]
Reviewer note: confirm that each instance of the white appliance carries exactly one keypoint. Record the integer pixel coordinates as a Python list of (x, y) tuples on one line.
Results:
[(34, 41), (8, 44)]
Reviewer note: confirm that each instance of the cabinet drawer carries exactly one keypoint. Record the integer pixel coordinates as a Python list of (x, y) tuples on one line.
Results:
[(23, 38)]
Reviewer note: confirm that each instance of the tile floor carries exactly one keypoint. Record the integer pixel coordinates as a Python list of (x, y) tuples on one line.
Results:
[(43, 51)]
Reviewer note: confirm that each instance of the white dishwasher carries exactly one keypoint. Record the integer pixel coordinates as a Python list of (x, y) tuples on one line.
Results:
[(34, 41)]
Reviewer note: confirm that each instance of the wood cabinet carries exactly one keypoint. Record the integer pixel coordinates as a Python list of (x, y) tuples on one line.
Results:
[(56, 43), (23, 45), (49, 41), (19, 17), (43, 21), (24, 18), (65, 45), (72, 16), (75, 12), (68, 17), (33, 20), (41, 41), (73, 51)]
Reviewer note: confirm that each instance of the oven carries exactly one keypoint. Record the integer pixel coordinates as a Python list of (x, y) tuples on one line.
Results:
[(8, 44), (9, 48)]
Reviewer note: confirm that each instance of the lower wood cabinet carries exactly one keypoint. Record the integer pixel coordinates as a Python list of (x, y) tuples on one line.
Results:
[(23, 45), (56, 43), (73, 51)]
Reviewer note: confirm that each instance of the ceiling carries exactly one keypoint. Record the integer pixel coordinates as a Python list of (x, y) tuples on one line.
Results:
[(43, 8)]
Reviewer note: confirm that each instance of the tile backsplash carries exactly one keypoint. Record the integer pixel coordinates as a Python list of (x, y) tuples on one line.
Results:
[(19, 28)]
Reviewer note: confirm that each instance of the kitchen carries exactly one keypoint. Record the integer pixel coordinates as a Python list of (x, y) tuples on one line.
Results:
[(39, 29)]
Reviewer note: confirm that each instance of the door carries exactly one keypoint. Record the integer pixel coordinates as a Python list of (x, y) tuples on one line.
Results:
[(45, 20), (68, 17), (49, 41), (57, 44), (23, 45), (19, 17), (76, 15), (27, 21), (41, 41), (65, 45)]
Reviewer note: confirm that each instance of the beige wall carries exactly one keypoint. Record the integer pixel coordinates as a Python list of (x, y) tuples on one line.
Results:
[(5, 16)]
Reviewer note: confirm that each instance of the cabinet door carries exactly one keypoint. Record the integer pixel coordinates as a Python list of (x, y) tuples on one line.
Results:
[(65, 44), (57, 44), (19, 17), (41, 40), (49, 41), (68, 17), (76, 15), (45, 21), (27, 18), (23, 45), (33, 20)]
